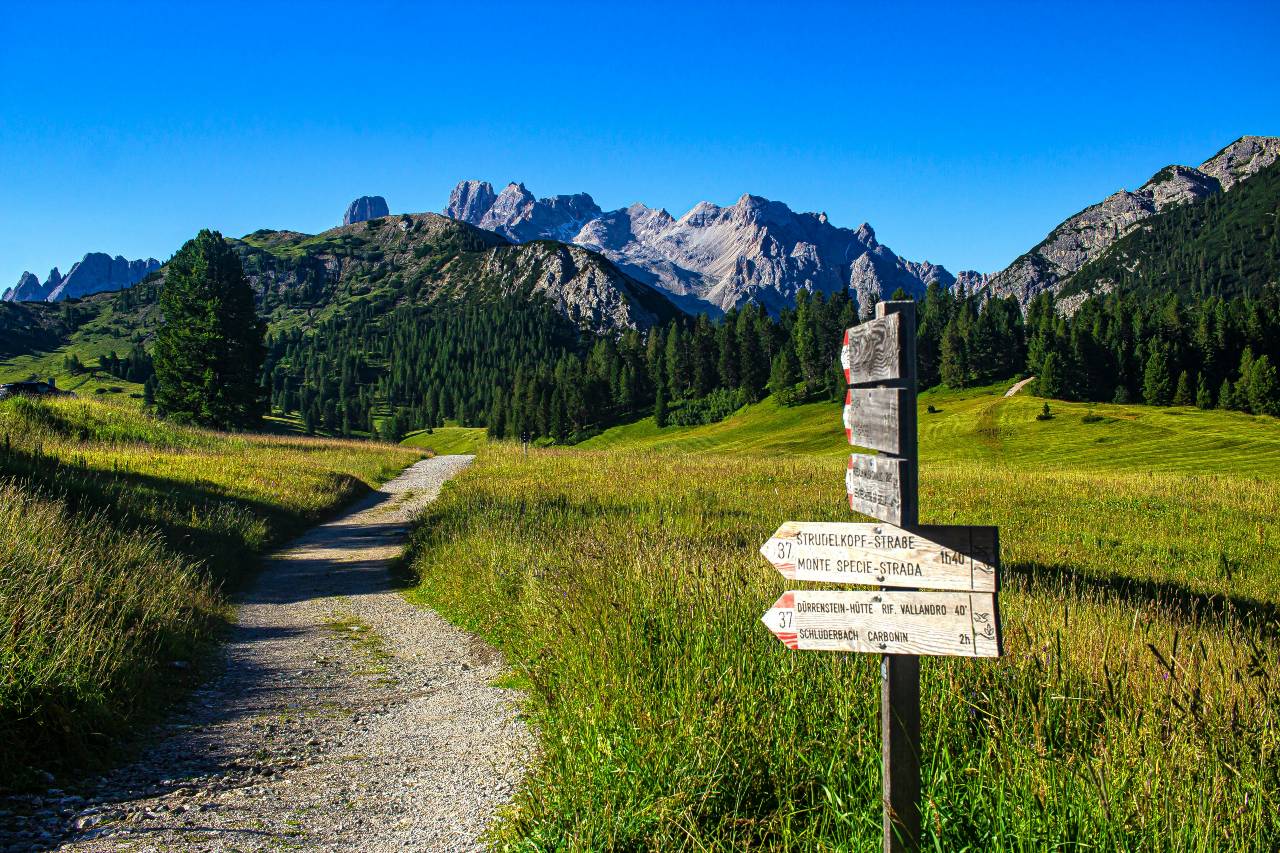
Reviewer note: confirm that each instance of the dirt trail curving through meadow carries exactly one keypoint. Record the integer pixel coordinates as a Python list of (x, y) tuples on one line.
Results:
[(1018, 386), (344, 718)]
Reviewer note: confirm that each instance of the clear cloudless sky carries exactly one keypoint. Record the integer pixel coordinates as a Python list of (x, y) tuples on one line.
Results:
[(961, 132)]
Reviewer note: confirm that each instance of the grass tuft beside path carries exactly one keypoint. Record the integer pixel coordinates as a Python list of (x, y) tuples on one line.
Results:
[(118, 534)]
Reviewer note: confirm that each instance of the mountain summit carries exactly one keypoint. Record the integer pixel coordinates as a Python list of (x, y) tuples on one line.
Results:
[(365, 208), (712, 258)]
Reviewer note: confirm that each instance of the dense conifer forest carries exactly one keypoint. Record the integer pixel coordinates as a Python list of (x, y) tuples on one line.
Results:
[(518, 368)]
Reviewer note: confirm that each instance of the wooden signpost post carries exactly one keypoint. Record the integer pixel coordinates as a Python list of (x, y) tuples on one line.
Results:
[(899, 621)]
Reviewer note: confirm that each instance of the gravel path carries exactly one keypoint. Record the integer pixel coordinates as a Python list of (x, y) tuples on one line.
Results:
[(344, 719), (1018, 386)]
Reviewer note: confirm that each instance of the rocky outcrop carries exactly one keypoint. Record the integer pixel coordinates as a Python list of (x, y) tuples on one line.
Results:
[(365, 208), (1242, 159), (580, 284), (28, 289), (470, 201), (971, 281), (1088, 234), (517, 215), (98, 272), (712, 258)]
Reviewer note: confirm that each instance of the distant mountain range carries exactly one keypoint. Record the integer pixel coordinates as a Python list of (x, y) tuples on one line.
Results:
[(715, 258), (94, 273), (712, 258)]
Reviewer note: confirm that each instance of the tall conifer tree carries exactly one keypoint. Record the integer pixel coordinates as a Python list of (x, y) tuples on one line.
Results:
[(209, 348)]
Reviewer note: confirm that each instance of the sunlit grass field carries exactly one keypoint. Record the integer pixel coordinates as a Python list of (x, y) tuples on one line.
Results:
[(1136, 707), (118, 537), (448, 439)]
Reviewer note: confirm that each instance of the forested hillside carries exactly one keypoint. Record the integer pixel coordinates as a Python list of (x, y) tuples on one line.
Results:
[(1225, 245)]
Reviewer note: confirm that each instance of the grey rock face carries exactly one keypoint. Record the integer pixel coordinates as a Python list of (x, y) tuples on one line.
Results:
[(365, 208), (518, 216), (1085, 236), (586, 290), (97, 272), (971, 281), (470, 201), (713, 258), (28, 289), (1242, 159)]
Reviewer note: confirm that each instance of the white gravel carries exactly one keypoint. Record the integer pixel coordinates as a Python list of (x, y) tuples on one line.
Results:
[(344, 719)]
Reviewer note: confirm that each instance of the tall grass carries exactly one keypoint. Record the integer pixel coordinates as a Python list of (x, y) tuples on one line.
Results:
[(1136, 707), (119, 535)]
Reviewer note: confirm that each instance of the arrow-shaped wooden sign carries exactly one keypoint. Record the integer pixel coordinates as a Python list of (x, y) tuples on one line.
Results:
[(955, 624), (874, 417), (872, 353), (876, 486), (879, 554)]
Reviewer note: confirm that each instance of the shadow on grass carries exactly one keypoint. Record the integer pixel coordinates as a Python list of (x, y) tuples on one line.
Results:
[(1172, 598)]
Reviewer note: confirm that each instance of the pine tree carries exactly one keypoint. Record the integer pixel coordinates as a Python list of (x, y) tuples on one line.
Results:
[(1226, 396), (660, 406), (1182, 396), (804, 339), (1050, 381), (784, 374), (209, 348), (754, 369), (677, 361), (1264, 388), (1157, 384), (953, 364), (1242, 397), (1204, 397)]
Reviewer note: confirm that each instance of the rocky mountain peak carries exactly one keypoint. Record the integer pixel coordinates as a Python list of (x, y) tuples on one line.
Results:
[(1242, 159), (28, 289), (470, 201), (365, 208), (712, 258)]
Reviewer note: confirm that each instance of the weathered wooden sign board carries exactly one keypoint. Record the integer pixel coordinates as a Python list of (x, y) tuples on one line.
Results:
[(880, 554), (877, 486), (873, 417), (872, 351), (893, 623), (898, 621)]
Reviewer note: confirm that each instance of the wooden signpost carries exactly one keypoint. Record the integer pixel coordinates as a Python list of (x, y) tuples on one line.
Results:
[(903, 557)]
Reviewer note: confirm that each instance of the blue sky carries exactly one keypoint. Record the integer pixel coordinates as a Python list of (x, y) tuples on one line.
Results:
[(962, 134)]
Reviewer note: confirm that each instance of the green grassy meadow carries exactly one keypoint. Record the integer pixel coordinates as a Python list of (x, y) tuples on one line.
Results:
[(449, 439), (118, 536), (1136, 707)]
